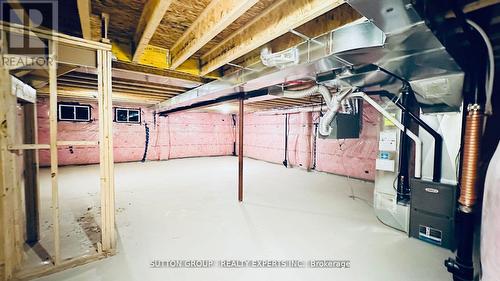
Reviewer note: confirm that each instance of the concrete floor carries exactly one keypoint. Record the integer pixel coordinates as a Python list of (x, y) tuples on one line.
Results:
[(187, 209)]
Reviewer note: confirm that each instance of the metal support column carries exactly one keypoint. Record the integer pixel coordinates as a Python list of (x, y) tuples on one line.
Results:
[(240, 151)]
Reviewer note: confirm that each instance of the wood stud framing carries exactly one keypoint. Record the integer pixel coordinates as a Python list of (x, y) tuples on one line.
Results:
[(11, 221), (106, 151), (53, 151), (9, 250)]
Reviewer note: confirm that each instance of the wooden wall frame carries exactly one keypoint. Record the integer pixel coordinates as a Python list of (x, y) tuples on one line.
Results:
[(11, 236)]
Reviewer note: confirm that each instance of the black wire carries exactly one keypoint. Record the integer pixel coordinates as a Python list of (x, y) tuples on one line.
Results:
[(147, 143), (315, 150)]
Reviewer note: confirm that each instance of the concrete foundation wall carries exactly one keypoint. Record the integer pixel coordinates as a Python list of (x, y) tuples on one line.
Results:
[(188, 134)]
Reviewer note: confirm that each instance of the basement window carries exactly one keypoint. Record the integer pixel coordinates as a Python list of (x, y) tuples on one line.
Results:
[(73, 112), (127, 115)]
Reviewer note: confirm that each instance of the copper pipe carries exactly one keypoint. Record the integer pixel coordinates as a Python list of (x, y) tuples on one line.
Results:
[(240, 152), (472, 137)]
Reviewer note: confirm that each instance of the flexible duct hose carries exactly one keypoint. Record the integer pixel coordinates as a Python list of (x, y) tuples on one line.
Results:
[(333, 108), (333, 104), (309, 92)]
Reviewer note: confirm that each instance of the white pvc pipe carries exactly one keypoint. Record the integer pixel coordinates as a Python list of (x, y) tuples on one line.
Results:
[(418, 142)]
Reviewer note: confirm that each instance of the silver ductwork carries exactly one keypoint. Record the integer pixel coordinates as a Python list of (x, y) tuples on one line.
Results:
[(333, 103), (394, 42)]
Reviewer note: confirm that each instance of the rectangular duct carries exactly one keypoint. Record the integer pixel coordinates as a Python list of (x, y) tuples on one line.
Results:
[(394, 39)]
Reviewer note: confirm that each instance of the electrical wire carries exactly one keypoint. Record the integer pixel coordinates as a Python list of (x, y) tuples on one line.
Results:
[(352, 196), (146, 144), (490, 70)]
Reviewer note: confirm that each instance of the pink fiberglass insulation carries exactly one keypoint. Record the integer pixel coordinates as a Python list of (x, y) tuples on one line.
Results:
[(193, 134), (178, 135), (265, 140)]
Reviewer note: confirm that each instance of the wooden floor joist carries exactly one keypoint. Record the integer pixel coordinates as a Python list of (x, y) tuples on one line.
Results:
[(275, 21), (171, 74), (151, 16), (216, 17), (84, 10)]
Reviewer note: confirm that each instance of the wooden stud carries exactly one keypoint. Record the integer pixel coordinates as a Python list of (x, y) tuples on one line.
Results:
[(106, 151), (7, 250), (11, 223), (274, 22), (84, 13), (53, 150), (218, 15), (151, 16)]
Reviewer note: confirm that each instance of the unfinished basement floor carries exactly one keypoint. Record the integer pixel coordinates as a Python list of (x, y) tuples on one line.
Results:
[(188, 209)]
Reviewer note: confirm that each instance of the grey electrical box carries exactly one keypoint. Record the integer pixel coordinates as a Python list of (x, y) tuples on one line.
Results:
[(432, 212)]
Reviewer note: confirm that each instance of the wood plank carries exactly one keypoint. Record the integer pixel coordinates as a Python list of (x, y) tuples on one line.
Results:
[(47, 146), (131, 82), (105, 106), (151, 16), (65, 264), (7, 249), (84, 14), (218, 15), (474, 6), (274, 22), (77, 143), (73, 93), (53, 151), (172, 74), (52, 35)]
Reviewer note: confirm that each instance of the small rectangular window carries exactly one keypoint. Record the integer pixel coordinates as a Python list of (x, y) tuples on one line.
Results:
[(127, 115), (72, 112)]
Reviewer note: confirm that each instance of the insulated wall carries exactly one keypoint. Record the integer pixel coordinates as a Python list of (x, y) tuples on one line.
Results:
[(193, 134), (178, 135), (265, 140)]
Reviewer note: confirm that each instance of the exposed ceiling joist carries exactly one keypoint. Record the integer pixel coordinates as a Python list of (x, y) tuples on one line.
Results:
[(172, 75), (84, 14), (216, 17), (151, 16), (274, 22)]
